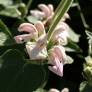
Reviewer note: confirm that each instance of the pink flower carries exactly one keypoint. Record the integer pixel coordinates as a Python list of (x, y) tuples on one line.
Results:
[(23, 38), (26, 27), (33, 32), (60, 34), (37, 50), (44, 12), (57, 58)]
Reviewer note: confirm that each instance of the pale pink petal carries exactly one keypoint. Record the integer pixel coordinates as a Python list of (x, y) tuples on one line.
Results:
[(56, 60), (66, 16), (34, 52), (41, 42), (60, 69), (27, 27), (60, 34), (45, 9), (56, 70), (60, 28), (40, 28), (18, 39), (58, 65), (60, 52), (51, 8), (23, 38), (62, 38), (47, 22)]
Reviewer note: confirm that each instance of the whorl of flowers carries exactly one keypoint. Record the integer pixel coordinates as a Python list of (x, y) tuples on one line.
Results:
[(37, 43)]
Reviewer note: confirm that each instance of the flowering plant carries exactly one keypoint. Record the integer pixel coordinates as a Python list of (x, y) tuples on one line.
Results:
[(40, 49)]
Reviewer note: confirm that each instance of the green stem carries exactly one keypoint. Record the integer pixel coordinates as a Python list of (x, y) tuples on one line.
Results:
[(82, 16), (5, 29)]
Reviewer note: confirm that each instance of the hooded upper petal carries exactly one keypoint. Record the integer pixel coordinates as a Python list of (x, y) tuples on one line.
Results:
[(44, 8), (40, 28), (57, 51), (60, 34), (57, 58), (33, 32)]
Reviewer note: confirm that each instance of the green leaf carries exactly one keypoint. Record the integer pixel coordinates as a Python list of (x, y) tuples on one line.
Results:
[(69, 60), (38, 62), (32, 19), (6, 37), (18, 75), (22, 9), (10, 11), (40, 90), (73, 36), (6, 2), (74, 5), (5, 28), (5, 40), (60, 11), (84, 87), (10, 63), (72, 47)]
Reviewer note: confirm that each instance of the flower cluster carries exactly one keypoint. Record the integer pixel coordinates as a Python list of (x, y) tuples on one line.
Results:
[(45, 13), (37, 43)]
